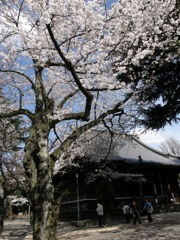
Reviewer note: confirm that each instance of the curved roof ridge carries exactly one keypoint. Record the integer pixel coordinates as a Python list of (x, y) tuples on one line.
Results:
[(135, 138), (153, 149)]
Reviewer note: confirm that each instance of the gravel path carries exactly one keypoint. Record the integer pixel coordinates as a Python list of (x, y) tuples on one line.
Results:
[(165, 226)]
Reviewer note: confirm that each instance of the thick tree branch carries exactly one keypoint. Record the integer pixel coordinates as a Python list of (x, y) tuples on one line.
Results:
[(42, 99), (58, 152), (53, 64), (69, 66), (74, 116), (40, 93), (69, 116), (66, 99), (18, 112), (103, 89), (68, 63)]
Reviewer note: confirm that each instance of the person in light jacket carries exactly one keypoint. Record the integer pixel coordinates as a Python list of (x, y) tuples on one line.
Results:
[(149, 209), (126, 212), (100, 212)]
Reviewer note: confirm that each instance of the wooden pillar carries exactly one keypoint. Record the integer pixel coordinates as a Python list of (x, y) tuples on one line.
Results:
[(168, 183), (140, 190), (160, 182), (154, 185)]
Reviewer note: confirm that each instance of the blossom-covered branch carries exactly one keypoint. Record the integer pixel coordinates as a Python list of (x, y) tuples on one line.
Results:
[(57, 153)]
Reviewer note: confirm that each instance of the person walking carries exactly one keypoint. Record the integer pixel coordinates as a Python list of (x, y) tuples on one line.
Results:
[(100, 212), (126, 212), (149, 209), (136, 213)]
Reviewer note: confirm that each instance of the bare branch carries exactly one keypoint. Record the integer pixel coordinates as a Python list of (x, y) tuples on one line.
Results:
[(66, 99), (111, 139), (105, 5), (95, 107), (19, 13), (57, 134), (19, 73), (74, 36)]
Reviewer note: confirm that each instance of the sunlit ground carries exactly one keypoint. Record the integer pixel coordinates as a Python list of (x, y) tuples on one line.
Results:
[(164, 226)]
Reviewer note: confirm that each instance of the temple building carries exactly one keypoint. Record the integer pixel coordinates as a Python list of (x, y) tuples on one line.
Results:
[(124, 169)]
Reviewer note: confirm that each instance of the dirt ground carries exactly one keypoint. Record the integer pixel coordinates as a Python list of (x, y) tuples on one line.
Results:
[(165, 226)]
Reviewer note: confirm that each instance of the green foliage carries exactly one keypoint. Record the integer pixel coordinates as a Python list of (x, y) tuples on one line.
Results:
[(157, 90), (18, 192), (162, 96)]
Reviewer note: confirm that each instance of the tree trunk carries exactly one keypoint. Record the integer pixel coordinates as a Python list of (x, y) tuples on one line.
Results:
[(1, 222), (44, 212), (39, 170), (2, 211)]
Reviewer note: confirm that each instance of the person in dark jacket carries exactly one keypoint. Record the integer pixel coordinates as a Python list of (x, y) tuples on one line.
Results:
[(136, 213)]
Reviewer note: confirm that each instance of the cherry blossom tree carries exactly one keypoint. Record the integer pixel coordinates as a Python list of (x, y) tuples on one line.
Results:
[(59, 67), (171, 146), (12, 174)]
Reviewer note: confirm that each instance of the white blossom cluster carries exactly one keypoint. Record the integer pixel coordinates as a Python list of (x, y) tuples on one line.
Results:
[(81, 47), (18, 201), (112, 175), (7, 142), (67, 158), (93, 41)]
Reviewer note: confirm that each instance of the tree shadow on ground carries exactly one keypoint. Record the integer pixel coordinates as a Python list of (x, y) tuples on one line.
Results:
[(18, 233)]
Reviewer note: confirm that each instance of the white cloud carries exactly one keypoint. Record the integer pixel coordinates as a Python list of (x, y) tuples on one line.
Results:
[(152, 138)]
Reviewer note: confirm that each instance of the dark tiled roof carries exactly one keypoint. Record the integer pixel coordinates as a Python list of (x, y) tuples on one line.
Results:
[(135, 151)]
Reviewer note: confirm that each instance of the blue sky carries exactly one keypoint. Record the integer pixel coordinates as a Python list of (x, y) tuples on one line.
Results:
[(109, 2), (154, 139)]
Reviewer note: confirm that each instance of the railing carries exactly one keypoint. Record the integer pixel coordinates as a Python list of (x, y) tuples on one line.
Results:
[(88, 206)]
